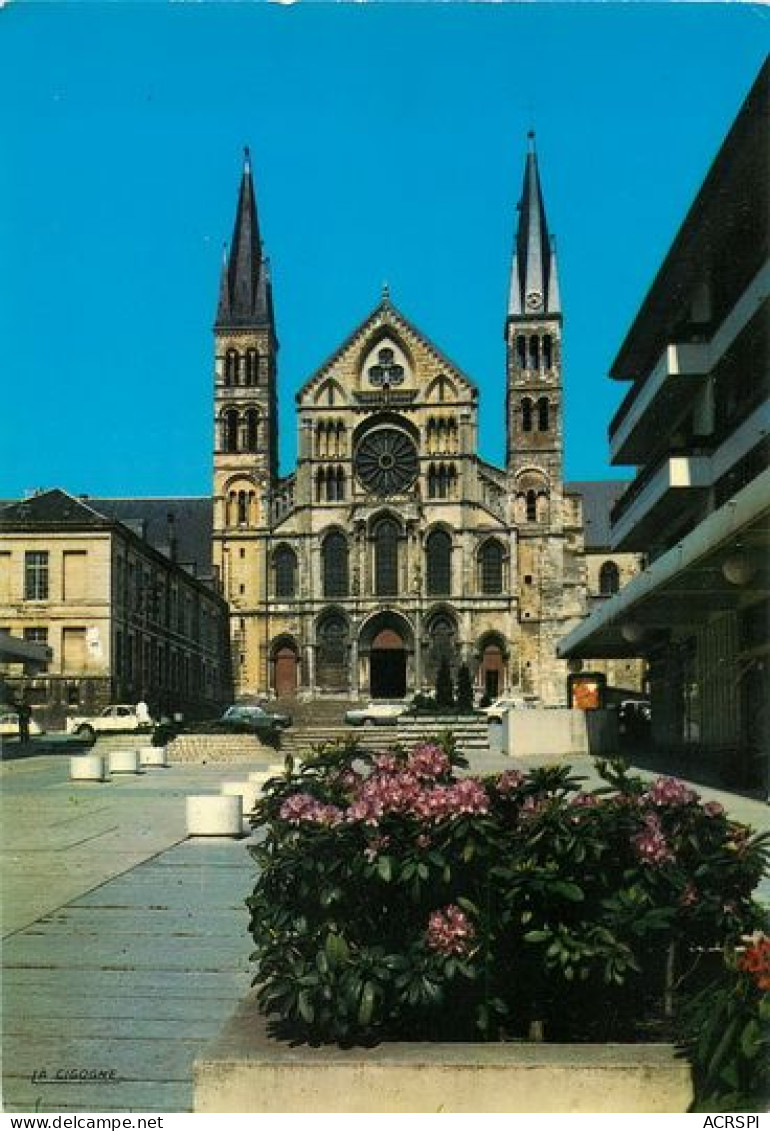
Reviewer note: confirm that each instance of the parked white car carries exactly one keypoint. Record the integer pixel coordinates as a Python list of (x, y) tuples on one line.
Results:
[(495, 711), (380, 713), (9, 725), (112, 720)]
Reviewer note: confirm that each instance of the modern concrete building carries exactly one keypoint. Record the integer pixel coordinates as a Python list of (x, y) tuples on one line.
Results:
[(696, 422), (121, 618)]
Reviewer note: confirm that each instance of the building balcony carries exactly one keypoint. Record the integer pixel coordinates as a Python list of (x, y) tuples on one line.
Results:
[(657, 498), (652, 403)]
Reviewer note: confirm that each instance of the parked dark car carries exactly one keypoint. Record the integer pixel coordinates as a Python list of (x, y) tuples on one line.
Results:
[(246, 719), (241, 718)]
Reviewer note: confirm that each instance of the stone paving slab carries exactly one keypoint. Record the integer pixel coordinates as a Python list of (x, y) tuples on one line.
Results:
[(128, 1096), (127, 943)]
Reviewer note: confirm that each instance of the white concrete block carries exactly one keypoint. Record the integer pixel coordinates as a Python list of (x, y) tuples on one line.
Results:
[(87, 767), (212, 814), (124, 762), (152, 756), (249, 791)]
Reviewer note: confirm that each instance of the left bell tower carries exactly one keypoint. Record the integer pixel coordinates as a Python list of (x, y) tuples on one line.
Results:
[(245, 432)]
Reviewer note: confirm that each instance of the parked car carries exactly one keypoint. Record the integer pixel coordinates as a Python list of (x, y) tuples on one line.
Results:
[(240, 718), (117, 718), (380, 713), (9, 725), (496, 710), (245, 718)]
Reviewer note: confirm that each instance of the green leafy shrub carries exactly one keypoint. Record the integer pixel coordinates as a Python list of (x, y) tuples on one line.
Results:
[(464, 691), (445, 699), (399, 900), (726, 1032)]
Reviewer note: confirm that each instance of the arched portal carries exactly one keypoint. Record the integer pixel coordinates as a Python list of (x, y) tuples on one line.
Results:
[(285, 668), (386, 645), (492, 666)]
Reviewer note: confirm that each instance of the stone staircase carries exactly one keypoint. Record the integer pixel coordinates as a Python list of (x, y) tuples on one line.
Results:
[(471, 735), (215, 748)]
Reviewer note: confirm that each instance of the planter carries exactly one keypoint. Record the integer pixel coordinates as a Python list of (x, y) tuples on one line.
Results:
[(248, 790), (87, 767), (211, 814), (152, 756), (245, 1070), (124, 762)]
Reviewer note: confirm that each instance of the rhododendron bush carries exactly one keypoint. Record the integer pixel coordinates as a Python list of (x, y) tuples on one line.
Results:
[(401, 898)]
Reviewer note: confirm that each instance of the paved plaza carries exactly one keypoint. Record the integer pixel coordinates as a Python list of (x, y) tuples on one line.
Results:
[(125, 943)]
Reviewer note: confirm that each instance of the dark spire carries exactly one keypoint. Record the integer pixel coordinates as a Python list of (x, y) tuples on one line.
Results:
[(243, 293), (534, 289)]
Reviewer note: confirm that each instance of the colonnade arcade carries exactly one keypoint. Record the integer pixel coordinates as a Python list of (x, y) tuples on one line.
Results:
[(385, 656)]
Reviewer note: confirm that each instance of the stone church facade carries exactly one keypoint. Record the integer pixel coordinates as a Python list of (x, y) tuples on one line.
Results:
[(393, 545)]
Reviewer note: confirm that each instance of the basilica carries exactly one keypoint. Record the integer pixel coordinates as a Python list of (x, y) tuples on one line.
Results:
[(393, 546)]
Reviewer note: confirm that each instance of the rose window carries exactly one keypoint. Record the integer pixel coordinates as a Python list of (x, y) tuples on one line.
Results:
[(386, 461)]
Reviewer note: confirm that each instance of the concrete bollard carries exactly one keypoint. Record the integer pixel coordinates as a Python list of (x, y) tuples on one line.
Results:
[(124, 762), (87, 767), (152, 756), (210, 814), (249, 791)]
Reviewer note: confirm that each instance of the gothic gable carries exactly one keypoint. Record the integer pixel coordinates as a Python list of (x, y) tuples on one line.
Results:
[(386, 356)]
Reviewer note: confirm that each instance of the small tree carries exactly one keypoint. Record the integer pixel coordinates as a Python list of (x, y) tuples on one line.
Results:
[(445, 699), (464, 691)]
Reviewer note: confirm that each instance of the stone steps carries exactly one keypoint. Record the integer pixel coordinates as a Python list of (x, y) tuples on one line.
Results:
[(211, 748), (471, 735)]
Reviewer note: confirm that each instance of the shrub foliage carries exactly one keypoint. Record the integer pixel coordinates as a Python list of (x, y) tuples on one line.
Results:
[(399, 899)]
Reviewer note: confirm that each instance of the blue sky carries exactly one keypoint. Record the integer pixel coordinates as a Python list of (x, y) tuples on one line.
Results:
[(388, 144)]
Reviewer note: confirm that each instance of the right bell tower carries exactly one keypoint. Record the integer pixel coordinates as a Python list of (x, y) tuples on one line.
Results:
[(533, 351)]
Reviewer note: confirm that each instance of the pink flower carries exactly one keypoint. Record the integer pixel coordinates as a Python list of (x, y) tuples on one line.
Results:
[(714, 809), (509, 781), (651, 845), (303, 807), (450, 931), (584, 801), (669, 792), (428, 761)]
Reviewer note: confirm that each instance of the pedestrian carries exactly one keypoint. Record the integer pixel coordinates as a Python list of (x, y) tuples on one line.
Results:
[(24, 712), (143, 713)]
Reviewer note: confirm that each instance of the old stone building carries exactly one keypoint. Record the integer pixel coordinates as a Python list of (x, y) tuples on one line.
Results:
[(124, 603), (393, 544)]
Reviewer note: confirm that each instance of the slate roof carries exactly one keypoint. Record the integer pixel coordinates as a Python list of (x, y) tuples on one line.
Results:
[(599, 496), (50, 508), (193, 520), (533, 270), (245, 294)]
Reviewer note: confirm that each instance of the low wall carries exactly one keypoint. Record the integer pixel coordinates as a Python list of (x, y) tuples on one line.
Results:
[(247, 1071), (559, 732)]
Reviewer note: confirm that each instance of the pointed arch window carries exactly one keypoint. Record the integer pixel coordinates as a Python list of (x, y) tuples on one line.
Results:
[(332, 653), (521, 351), (542, 414), (334, 565), (442, 635), (526, 415), (609, 579), (438, 551), (285, 572), (534, 352), (547, 352), (386, 535), (320, 484), (491, 568)]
